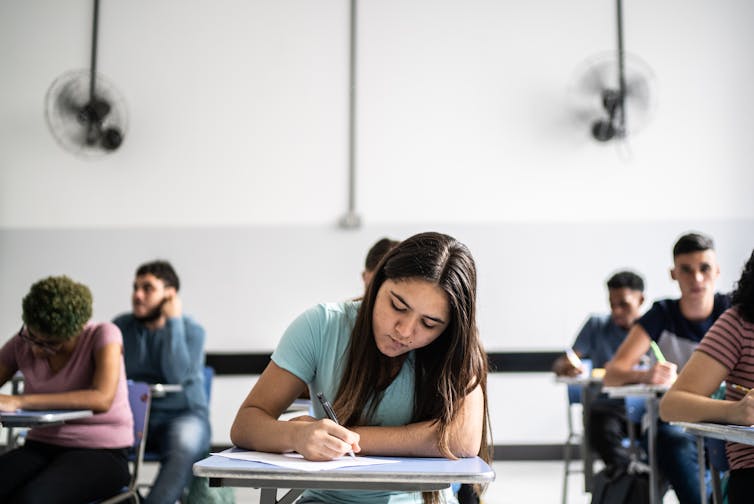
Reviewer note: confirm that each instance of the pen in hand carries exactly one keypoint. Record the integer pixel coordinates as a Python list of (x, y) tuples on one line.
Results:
[(330, 414)]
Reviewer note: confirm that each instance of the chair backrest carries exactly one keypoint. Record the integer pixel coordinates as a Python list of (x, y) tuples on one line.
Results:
[(716, 454), (209, 373), (574, 394), (140, 398), (635, 408)]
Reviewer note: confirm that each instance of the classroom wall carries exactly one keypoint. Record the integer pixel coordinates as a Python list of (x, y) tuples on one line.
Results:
[(234, 165)]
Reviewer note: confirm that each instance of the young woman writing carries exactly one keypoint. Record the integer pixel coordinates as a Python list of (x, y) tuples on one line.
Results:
[(404, 368)]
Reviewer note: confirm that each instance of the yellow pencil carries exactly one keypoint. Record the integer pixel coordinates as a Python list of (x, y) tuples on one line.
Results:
[(740, 388)]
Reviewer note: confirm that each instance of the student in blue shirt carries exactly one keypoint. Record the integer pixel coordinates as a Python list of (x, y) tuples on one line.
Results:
[(598, 340), (404, 368), (162, 345)]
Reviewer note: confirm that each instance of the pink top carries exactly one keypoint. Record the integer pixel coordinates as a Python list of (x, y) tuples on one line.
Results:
[(730, 341), (110, 429)]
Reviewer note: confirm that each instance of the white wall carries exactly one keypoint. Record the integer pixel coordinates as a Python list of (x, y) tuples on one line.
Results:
[(234, 165)]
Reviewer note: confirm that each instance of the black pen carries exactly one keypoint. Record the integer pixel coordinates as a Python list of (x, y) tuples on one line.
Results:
[(330, 414)]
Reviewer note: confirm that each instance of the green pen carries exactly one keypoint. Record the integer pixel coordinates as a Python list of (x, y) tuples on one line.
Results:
[(656, 351)]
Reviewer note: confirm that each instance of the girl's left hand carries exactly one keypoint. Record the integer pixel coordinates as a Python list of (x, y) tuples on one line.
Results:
[(9, 402)]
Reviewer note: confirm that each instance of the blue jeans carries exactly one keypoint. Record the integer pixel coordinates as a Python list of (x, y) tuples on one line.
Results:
[(678, 463), (180, 440)]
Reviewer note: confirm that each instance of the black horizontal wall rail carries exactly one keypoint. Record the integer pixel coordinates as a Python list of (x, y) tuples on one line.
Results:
[(500, 362)]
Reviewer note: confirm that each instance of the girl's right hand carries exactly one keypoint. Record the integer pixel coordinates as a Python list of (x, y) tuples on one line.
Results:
[(324, 440), (662, 373)]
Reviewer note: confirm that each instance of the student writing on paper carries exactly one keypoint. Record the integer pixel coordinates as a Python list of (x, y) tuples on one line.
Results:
[(725, 353), (598, 340), (404, 369), (68, 362), (677, 326)]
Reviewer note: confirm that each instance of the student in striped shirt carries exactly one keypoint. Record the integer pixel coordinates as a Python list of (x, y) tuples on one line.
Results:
[(725, 353)]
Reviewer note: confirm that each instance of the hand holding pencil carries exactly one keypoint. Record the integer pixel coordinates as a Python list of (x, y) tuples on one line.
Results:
[(663, 372), (331, 414), (742, 411)]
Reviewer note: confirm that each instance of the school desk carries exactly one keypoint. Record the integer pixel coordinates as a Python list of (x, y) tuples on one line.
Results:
[(651, 394), (408, 474), (590, 388), (37, 418), (734, 433)]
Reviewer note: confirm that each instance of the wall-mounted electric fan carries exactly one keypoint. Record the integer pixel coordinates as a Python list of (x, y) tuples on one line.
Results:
[(613, 95), (85, 113)]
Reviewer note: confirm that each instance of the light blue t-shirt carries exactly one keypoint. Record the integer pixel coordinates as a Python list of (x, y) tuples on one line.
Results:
[(314, 349)]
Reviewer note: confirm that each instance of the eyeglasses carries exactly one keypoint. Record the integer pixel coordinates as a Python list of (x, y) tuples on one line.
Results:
[(48, 346)]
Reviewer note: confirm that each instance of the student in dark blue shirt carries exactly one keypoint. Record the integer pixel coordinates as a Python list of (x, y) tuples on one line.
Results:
[(598, 340), (677, 326)]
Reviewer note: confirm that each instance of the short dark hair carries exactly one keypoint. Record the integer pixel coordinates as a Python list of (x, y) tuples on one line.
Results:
[(377, 252), (743, 296), (692, 242), (626, 279), (162, 270), (58, 307)]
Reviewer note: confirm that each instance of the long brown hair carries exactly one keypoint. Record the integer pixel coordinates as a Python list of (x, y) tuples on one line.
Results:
[(447, 369)]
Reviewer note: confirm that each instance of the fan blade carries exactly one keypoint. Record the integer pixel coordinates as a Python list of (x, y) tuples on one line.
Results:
[(593, 82)]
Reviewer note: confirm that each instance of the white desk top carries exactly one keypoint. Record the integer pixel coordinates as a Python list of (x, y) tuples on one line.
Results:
[(411, 474), (38, 418), (735, 433), (637, 389), (578, 380), (161, 389)]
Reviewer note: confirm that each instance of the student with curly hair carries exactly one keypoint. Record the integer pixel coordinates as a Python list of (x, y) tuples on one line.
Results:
[(725, 353), (68, 362), (404, 367)]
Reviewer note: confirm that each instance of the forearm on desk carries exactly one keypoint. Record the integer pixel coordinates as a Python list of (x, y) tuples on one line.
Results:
[(683, 406), (255, 430), (419, 439), (617, 375), (79, 399)]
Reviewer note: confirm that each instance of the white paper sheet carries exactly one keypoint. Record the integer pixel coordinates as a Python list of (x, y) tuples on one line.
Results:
[(296, 461)]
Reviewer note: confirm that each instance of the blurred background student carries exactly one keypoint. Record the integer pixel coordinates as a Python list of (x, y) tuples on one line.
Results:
[(598, 340), (163, 345), (67, 362), (374, 256), (676, 326), (725, 353)]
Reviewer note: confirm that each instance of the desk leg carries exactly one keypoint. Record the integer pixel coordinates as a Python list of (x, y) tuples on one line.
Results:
[(588, 392), (700, 461), (652, 406), (11, 442), (270, 496)]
